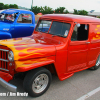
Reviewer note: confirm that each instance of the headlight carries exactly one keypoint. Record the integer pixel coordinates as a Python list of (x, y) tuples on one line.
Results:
[(11, 56)]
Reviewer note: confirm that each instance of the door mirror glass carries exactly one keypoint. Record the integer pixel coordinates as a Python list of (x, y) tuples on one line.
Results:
[(78, 25), (86, 27)]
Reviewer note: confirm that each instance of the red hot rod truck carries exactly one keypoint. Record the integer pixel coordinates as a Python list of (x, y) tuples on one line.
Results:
[(61, 44)]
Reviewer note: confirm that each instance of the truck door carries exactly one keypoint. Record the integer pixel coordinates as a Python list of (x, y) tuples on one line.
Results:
[(24, 26), (78, 48)]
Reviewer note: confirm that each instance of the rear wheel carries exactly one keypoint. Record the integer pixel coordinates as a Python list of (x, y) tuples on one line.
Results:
[(97, 65), (37, 81)]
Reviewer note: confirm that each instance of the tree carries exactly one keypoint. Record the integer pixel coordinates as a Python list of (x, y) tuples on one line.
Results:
[(36, 9), (46, 10), (16, 6), (6, 6), (13, 6), (83, 12), (66, 11), (80, 12), (60, 10), (1, 6), (75, 11)]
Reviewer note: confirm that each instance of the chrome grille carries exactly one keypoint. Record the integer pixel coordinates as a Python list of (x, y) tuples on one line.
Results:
[(4, 60)]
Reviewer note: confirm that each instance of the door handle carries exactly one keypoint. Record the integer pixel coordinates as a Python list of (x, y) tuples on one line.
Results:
[(87, 42)]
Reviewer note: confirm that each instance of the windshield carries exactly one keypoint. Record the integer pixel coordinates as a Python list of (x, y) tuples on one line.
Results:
[(43, 26), (7, 17), (60, 29), (55, 28)]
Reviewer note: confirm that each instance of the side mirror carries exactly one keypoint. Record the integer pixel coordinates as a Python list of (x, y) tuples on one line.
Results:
[(78, 25), (86, 27)]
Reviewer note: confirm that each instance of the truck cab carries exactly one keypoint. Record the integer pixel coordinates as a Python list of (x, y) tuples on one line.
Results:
[(61, 44), (16, 23)]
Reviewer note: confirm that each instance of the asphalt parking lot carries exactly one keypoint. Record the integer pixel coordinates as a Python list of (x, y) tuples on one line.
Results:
[(76, 87)]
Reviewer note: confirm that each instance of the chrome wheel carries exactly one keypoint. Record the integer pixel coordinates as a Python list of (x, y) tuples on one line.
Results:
[(40, 83), (37, 81)]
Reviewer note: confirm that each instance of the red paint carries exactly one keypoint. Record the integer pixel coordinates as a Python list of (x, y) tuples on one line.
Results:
[(67, 56), (7, 77)]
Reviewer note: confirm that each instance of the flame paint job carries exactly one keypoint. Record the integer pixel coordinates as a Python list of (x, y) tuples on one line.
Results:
[(28, 50), (22, 66), (97, 30)]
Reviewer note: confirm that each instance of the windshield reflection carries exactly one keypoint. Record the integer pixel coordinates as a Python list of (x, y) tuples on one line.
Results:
[(7, 17)]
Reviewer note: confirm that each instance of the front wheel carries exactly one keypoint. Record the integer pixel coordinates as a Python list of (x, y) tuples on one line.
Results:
[(37, 81), (97, 65)]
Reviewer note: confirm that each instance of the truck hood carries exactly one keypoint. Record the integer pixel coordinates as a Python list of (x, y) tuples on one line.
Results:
[(29, 47), (4, 26)]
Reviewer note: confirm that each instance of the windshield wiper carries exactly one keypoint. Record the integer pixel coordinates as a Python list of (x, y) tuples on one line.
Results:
[(57, 35)]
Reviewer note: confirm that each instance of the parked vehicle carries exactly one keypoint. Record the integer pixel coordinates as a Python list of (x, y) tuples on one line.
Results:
[(16, 23), (61, 44)]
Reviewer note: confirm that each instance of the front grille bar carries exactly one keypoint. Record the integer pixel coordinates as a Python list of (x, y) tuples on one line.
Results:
[(4, 60), (4, 50), (4, 69)]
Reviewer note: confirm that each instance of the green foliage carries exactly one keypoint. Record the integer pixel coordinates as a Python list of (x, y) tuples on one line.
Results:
[(43, 10), (6, 6), (46, 10), (75, 11), (36, 9), (66, 11), (13, 6), (1, 6), (60, 10), (80, 12), (83, 12)]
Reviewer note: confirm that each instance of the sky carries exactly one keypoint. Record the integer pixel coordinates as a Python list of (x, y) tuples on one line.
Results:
[(87, 5)]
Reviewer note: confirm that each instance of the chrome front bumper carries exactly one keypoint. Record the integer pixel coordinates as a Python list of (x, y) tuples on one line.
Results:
[(8, 86)]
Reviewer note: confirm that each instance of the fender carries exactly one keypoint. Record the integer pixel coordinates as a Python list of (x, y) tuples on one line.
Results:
[(5, 35), (22, 66)]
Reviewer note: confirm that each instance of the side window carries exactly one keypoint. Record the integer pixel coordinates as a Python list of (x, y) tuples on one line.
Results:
[(80, 33), (25, 18)]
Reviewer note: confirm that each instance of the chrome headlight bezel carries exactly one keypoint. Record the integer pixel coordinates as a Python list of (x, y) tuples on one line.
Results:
[(11, 56)]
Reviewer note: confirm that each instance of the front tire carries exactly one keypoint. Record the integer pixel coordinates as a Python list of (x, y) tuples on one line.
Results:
[(97, 65), (37, 81)]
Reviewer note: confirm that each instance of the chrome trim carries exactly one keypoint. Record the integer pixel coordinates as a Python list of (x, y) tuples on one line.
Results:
[(8, 86), (4, 69), (4, 50), (4, 60), (87, 42), (40, 83), (11, 56)]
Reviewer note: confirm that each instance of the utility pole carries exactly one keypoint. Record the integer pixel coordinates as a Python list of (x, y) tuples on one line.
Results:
[(32, 5)]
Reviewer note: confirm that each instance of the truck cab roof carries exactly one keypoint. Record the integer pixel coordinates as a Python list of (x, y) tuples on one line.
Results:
[(71, 17), (11, 11)]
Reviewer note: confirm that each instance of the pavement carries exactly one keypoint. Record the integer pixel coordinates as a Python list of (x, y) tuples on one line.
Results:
[(76, 87)]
